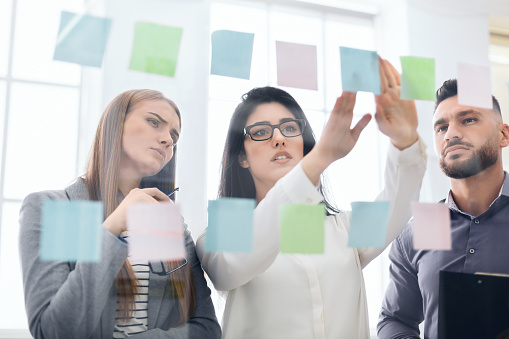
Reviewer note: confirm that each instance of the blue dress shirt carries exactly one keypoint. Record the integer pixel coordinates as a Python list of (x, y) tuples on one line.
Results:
[(479, 244)]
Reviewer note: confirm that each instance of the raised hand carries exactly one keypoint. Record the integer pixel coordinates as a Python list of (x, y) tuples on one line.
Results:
[(337, 138), (396, 118), (116, 222)]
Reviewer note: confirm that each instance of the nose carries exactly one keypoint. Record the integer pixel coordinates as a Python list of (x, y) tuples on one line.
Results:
[(166, 139), (452, 132), (278, 139)]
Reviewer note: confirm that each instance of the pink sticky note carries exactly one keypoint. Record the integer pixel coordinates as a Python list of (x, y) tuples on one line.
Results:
[(474, 86), (155, 232), (296, 65), (432, 226)]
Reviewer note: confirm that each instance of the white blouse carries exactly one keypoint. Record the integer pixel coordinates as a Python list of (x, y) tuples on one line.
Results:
[(273, 295)]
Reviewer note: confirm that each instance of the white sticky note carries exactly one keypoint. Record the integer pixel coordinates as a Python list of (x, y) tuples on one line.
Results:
[(474, 85), (432, 226), (155, 232)]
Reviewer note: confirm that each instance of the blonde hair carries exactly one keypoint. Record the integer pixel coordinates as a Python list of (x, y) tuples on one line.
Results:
[(101, 179)]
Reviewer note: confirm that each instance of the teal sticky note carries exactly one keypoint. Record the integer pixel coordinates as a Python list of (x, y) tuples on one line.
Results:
[(230, 225), (418, 78), (71, 231), (155, 48), (368, 225), (360, 70), (82, 39), (232, 53), (302, 228)]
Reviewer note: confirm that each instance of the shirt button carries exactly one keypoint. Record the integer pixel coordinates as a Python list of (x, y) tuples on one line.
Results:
[(472, 251), (476, 221)]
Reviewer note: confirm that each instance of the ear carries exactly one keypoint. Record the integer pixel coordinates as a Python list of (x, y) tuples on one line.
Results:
[(504, 135), (243, 161)]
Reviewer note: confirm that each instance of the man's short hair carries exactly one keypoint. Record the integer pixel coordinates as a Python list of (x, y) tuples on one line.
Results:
[(450, 89)]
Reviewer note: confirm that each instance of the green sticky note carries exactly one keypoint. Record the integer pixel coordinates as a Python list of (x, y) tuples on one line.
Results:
[(71, 231), (418, 78), (155, 48), (302, 228), (368, 225), (230, 225)]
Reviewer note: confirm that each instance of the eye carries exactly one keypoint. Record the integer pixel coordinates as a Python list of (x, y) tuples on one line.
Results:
[(441, 129), (469, 120), (259, 132), (153, 122), (290, 128)]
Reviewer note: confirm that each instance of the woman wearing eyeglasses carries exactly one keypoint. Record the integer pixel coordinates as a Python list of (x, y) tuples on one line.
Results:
[(270, 155), (132, 161)]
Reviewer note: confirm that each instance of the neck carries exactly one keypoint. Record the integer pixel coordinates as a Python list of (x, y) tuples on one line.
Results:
[(475, 194), (126, 185)]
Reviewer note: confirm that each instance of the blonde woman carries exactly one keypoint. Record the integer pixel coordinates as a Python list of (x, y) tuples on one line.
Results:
[(132, 160)]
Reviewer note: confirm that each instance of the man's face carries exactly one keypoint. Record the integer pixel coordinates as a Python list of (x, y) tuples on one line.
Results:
[(467, 139)]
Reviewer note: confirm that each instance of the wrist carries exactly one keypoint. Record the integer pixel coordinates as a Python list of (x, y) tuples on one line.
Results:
[(406, 142)]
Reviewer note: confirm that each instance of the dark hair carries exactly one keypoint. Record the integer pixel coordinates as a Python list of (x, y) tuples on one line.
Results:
[(449, 89), (237, 181)]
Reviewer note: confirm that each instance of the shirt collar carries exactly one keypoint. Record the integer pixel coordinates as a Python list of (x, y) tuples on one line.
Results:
[(504, 190)]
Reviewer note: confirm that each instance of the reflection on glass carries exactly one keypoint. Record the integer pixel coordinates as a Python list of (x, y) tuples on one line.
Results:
[(36, 32), (42, 138), (12, 314)]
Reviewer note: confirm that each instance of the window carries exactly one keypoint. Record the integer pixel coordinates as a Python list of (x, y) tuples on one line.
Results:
[(357, 176), (40, 102)]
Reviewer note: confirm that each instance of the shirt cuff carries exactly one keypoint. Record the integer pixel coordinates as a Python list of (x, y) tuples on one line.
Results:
[(298, 188), (410, 155)]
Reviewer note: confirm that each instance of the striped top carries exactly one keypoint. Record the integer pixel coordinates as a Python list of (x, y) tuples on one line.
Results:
[(137, 323)]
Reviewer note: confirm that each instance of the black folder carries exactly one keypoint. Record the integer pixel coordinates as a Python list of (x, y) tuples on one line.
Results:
[(473, 306)]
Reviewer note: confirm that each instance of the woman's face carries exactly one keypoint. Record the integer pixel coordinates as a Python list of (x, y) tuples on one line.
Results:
[(151, 129), (270, 160)]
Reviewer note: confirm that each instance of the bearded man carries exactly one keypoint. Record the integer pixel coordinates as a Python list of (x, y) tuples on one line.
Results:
[(469, 142)]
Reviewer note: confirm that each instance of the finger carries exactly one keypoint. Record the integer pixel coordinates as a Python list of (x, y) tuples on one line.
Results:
[(383, 76), (390, 77), (156, 194), (345, 102), (356, 131), (395, 74)]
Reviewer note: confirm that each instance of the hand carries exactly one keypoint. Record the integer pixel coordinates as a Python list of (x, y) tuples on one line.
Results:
[(116, 222), (337, 138), (396, 118)]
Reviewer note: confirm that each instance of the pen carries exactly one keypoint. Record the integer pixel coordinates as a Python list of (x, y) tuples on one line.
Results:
[(172, 191)]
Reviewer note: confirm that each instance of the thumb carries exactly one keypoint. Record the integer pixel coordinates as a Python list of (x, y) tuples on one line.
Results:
[(356, 131)]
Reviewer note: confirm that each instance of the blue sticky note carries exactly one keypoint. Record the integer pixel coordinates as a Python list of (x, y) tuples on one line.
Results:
[(71, 231), (230, 225), (82, 39), (368, 225), (232, 53), (360, 70)]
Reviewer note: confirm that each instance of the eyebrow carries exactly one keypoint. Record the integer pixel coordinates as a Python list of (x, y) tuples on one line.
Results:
[(282, 120), (159, 117), (459, 115)]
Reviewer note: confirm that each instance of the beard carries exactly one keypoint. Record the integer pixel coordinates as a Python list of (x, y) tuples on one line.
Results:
[(482, 158)]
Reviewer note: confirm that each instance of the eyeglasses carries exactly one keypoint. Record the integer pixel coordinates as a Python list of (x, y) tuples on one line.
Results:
[(165, 268), (263, 131)]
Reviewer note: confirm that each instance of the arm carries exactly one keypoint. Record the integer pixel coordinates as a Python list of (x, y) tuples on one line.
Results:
[(61, 302), (203, 323), (402, 308), (231, 270), (404, 172)]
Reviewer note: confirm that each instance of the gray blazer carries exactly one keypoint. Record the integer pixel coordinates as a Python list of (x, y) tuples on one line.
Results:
[(78, 300)]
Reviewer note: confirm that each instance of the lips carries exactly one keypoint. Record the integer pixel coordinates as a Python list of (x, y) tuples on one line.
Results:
[(282, 155), (160, 151), (454, 148)]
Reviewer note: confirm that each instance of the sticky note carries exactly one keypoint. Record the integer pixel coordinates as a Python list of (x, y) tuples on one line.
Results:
[(474, 85), (82, 39), (155, 48), (360, 70), (418, 78), (431, 226), (155, 232), (232, 53), (230, 225), (71, 230), (368, 224), (296, 65), (302, 228)]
